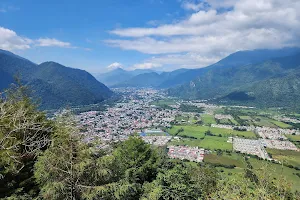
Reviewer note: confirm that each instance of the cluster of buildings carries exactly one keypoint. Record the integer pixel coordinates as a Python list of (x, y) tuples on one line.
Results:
[(157, 140), (247, 128), (222, 126), (220, 117), (270, 133), (257, 147), (253, 147), (133, 115), (274, 133), (188, 153), (278, 144), (287, 119)]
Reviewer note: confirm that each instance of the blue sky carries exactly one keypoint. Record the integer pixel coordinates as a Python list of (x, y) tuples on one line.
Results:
[(100, 35)]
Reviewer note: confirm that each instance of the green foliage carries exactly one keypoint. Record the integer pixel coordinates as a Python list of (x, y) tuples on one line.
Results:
[(59, 171), (181, 182), (24, 133), (272, 83), (259, 184), (55, 84), (190, 108)]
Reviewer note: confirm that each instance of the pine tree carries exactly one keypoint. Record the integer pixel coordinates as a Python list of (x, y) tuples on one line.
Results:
[(59, 170), (24, 132)]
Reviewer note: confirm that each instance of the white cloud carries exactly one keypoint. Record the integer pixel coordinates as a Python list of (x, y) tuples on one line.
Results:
[(51, 42), (174, 61), (2, 10), (9, 40), (114, 65), (209, 33), (146, 65), (192, 6)]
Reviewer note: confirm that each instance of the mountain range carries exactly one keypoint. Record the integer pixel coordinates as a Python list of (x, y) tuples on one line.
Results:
[(265, 77), (52, 83), (258, 77), (272, 82), (120, 75)]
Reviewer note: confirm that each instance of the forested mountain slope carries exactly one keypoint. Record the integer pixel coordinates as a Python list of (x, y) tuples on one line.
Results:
[(266, 83), (54, 84)]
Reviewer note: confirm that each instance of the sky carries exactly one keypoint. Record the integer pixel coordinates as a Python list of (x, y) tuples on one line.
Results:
[(164, 35)]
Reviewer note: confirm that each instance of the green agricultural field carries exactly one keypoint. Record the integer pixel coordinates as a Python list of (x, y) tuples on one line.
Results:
[(190, 131), (245, 117), (208, 119), (286, 156), (225, 121), (213, 143), (199, 131), (228, 132), (179, 118), (280, 124), (295, 138), (233, 121), (233, 159), (167, 102), (228, 121), (186, 142), (264, 121), (209, 142)]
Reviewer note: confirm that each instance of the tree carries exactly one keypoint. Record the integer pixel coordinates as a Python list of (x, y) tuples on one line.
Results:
[(24, 133), (181, 182), (59, 170), (138, 160)]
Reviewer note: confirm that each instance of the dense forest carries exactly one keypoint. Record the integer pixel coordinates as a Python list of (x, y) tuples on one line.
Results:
[(46, 159), (53, 84)]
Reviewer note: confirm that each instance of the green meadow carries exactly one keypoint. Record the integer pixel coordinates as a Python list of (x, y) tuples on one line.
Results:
[(199, 131)]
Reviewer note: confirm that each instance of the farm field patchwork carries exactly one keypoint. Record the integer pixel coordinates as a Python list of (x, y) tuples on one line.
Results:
[(186, 142), (245, 117), (295, 138), (232, 159), (163, 102), (264, 121), (199, 131), (190, 131), (280, 124), (209, 142), (214, 143), (208, 119)]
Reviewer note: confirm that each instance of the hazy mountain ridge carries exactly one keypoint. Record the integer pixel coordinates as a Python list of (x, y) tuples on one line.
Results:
[(55, 84), (268, 83), (237, 59), (119, 75), (151, 79), (181, 76)]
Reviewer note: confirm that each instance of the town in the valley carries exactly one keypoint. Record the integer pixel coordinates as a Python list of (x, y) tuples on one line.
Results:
[(190, 130)]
